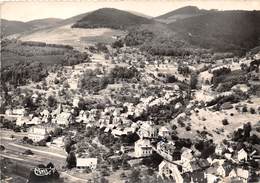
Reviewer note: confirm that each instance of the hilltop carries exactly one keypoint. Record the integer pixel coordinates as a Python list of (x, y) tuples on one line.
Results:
[(9, 27), (111, 18), (181, 13), (46, 22)]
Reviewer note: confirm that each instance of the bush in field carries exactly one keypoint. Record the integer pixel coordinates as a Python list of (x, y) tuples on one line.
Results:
[(225, 122)]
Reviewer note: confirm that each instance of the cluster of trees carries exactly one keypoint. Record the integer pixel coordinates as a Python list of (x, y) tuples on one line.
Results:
[(222, 99), (118, 44), (119, 72), (137, 37), (22, 62), (93, 83), (244, 135), (42, 44), (19, 73), (184, 70)]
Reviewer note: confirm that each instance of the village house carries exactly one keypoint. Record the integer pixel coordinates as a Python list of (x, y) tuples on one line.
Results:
[(224, 169), (147, 130), (243, 174), (166, 150), (20, 112), (143, 148), (195, 165), (186, 155), (83, 163), (45, 115), (64, 118), (8, 112), (35, 98), (38, 133), (22, 120), (242, 155), (164, 132), (58, 142), (220, 149), (35, 121), (170, 171)]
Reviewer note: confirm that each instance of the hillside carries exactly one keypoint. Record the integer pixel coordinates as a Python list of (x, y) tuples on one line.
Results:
[(9, 27), (236, 31), (181, 13), (12, 27), (47, 22), (110, 18)]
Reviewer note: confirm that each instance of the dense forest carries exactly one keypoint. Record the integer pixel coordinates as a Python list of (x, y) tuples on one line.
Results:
[(110, 18), (236, 31)]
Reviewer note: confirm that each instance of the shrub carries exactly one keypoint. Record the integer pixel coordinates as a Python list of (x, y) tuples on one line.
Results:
[(188, 128), (225, 122), (28, 152), (252, 110)]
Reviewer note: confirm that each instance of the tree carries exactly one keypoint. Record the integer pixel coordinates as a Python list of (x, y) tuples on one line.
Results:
[(225, 122), (193, 80), (135, 176), (57, 132), (247, 129), (71, 160), (51, 101), (68, 144)]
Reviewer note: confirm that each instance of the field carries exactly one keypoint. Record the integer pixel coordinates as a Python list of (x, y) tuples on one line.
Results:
[(77, 37)]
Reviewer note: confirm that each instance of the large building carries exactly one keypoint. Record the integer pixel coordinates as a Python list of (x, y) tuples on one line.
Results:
[(38, 133), (143, 148), (148, 130)]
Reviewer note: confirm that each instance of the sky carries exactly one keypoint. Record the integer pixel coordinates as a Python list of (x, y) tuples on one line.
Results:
[(26, 11)]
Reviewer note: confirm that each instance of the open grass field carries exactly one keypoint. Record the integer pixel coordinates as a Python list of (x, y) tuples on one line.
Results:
[(77, 37)]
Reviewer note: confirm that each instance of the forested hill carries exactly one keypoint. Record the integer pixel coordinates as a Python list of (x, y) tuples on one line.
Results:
[(222, 30), (111, 18)]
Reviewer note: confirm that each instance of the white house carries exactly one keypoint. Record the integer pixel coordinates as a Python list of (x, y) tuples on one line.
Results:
[(186, 155), (224, 169), (63, 118), (35, 121), (20, 112), (58, 142), (21, 120), (164, 131), (170, 171), (219, 150), (37, 133), (148, 130), (242, 155), (243, 174), (143, 148), (83, 163), (9, 112)]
